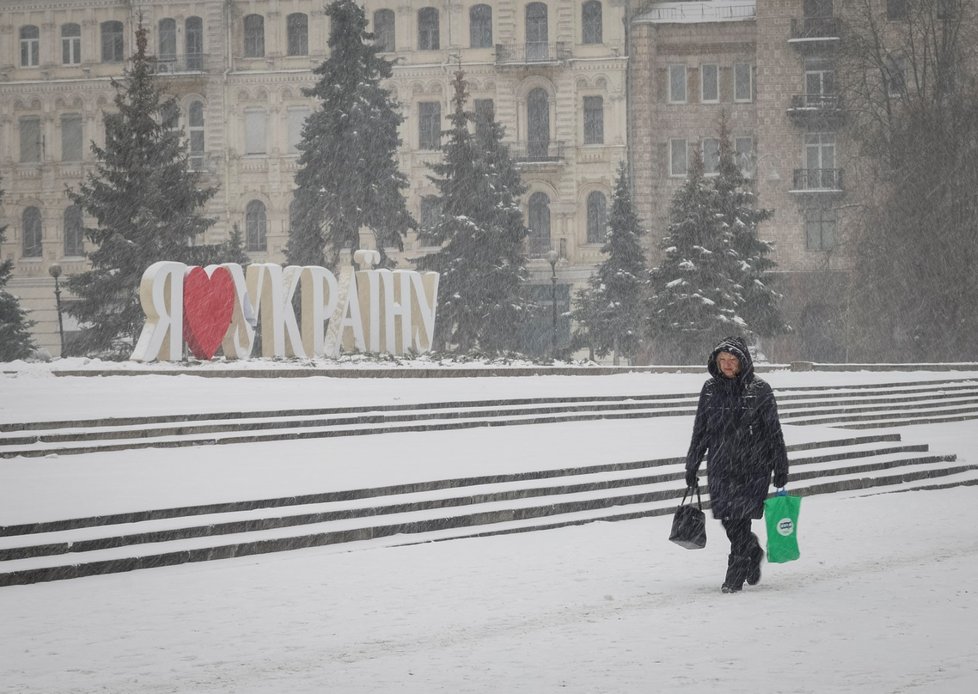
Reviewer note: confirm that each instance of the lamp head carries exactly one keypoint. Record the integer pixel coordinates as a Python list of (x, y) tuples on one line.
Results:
[(552, 257), (54, 270)]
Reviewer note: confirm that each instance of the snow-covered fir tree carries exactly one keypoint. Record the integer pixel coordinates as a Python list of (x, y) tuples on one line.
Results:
[(15, 336), (481, 230), (145, 201), (610, 312), (714, 278), (348, 175)]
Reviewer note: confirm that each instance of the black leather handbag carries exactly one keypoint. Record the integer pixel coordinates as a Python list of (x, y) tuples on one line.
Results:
[(689, 523)]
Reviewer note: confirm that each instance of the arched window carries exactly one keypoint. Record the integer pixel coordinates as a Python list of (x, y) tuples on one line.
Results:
[(538, 221), (428, 29), (256, 226), (70, 44), (112, 44), (384, 30), (591, 22), (74, 232), (297, 25), (254, 36), (597, 217), (32, 232), (30, 46), (536, 31), (538, 124), (194, 31), (195, 134), (480, 26), (593, 120), (168, 41)]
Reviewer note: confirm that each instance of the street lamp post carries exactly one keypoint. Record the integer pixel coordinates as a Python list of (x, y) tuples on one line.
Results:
[(55, 272), (552, 259)]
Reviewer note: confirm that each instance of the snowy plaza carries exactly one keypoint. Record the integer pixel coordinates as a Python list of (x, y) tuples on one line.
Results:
[(882, 599)]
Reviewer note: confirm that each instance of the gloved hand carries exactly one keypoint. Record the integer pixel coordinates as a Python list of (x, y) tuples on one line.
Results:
[(782, 492), (691, 479)]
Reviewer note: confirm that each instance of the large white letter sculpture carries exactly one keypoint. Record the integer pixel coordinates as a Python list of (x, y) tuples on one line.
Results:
[(366, 310)]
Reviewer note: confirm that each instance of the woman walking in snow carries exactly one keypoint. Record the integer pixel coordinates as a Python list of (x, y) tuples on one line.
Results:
[(737, 427)]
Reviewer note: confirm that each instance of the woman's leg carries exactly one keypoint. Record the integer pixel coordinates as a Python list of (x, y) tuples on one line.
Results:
[(742, 543)]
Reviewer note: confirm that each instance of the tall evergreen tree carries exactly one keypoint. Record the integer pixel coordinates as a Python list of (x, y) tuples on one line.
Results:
[(348, 174), (715, 276), (15, 337), (611, 311), (481, 262), (145, 200)]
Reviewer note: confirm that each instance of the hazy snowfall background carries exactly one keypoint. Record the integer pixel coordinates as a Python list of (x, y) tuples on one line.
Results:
[(884, 598)]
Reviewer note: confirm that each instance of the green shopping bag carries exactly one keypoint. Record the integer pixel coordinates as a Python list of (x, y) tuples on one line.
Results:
[(781, 518)]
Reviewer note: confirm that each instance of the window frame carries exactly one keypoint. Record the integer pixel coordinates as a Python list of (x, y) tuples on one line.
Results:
[(429, 19), (297, 34), (30, 46), (256, 239), (480, 27), (593, 120), (539, 211), (673, 69), (710, 151), (170, 36), (32, 223), (70, 44), (254, 35), (384, 30), (194, 42), (73, 232), (429, 126), (251, 144), (294, 126), (78, 122), (596, 219), (716, 83), (31, 148), (673, 171), (592, 25), (745, 159), (820, 219), (112, 35), (196, 135), (738, 76)]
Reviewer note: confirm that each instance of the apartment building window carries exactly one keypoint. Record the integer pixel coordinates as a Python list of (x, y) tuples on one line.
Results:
[(427, 29), (744, 152), (256, 226), (256, 129), (538, 222), (743, 82), (538, 124), (485, 111), (896, 10), (428, 218), (297, 121), (537, 33), (74, 232), (480, 26), (194, 31), (297, 26), (817, 8), (429, 125), (820, 228), (33, 234), (709, 84), (677, 84), (167, 40), (711, 156), (30, 139), (71, 137), (593, 120), (820, 160), (113, 48), (254, 36), (70, 44), (384, 30), (678, 157), (597, 217), (819, 81), (591, 22), (895, 75), (195, 134), (30, 46)]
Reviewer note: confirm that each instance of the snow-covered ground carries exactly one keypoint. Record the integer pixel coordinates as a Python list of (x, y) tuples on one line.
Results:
[(884, 598)]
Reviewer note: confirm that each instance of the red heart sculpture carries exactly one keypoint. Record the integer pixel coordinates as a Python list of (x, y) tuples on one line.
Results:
[(208, 303)]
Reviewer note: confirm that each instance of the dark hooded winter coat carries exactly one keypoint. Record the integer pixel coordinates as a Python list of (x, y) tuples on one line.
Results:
[(738, 430)]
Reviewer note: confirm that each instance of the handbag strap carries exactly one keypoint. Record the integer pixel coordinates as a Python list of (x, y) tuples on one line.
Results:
[(699, 500)]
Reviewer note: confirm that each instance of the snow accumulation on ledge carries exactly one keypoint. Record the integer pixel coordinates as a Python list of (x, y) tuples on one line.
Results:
[(698, 12)]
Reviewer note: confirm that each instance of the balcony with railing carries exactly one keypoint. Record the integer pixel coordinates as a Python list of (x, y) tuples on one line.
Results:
[(181, 65), (808, 109), (815, 30), (827, 181), (532, 53), (537, 152)]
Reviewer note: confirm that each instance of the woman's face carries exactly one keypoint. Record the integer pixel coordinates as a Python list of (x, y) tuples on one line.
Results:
[(728, 364)]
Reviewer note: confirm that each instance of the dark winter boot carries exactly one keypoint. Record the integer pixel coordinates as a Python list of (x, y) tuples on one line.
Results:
[(754, 570), (737, 568)]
